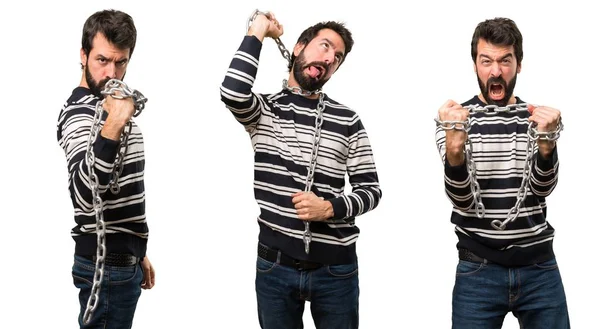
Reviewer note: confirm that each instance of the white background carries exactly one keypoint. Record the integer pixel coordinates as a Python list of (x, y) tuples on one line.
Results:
[(200, 207)]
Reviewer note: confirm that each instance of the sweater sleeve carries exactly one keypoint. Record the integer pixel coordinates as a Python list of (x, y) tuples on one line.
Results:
[(236, 88), (73, 136), (366, 192), (456, 178)]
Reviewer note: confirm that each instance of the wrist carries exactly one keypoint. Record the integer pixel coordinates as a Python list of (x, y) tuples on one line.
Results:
[(257, 32), (545, 148), (113, 127), (455, 156), (328, 209)]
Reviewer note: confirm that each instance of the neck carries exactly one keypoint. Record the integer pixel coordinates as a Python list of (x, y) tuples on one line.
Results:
[(292, 83), (83, 82)]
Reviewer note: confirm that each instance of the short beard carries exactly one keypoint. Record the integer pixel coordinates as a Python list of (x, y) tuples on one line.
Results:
[(306, 82), (508, 90), (96, 87)]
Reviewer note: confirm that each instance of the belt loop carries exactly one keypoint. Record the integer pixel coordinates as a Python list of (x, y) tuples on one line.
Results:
[(278, 256), (485, 261)]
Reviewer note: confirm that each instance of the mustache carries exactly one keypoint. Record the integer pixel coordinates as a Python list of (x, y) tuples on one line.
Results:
[(324, 65), (496, 80)]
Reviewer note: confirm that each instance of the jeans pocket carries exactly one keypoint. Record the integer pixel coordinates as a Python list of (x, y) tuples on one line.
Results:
[(547, 265), (468, 268), (121, 275), (343, 270), (264, 266), (83, 274)]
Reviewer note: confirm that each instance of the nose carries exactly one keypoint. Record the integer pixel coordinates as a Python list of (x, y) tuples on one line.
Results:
[(111, 71), (329, 57), (495, 71)]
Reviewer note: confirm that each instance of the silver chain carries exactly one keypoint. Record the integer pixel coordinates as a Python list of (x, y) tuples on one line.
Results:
[(110, 89), (284, 52), (310, 174), (532, 136)]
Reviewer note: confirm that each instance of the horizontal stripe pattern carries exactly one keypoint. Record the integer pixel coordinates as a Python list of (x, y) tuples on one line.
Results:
[(499, 150), (124, 213), (281, 127)]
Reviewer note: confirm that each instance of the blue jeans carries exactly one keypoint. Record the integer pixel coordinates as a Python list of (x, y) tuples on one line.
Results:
[(484, 293), (332, 291), (119, 293)]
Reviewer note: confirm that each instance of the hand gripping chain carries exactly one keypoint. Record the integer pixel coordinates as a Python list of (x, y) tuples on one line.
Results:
[(284, 52), (110, 89), (532, 136)]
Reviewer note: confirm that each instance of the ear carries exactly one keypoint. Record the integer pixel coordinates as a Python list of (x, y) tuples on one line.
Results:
[(83, 57), (475, 68), (518, 68), (298, 48)]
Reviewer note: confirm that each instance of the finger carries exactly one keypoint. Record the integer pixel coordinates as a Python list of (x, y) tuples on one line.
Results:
[(531, 108), (456, 107), (545, 116), (299, 198), (450, 103), (149, 280)]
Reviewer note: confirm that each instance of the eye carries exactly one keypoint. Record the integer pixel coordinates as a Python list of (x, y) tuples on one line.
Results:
[(506, 61), (122, 62), (338, 58), (325, 45), (102, 60)]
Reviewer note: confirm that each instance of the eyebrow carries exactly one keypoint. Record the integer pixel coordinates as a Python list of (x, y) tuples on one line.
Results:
[(510, 55), (124, 59)]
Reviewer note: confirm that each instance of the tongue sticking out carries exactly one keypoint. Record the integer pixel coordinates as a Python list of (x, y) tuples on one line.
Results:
[(313, 72)]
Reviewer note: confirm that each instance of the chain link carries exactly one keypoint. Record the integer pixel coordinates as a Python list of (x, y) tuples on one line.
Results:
[(111, 88), (307, 235), (310, 174), (284, 52), (532, 136)]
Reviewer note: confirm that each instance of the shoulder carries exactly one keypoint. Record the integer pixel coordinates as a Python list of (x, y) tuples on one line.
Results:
[(473, 101), (80, 103), (338, 109)]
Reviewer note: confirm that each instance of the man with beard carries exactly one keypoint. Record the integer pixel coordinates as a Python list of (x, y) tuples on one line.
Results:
[(306, 247), (506, 260), (107, 44)]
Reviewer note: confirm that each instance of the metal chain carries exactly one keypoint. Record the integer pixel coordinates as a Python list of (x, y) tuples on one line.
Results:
[(284, 52), (110, 89), (307, 235), (310, 174), (532, 136)]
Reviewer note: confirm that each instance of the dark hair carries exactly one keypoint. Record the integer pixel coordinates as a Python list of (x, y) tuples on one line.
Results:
[(498, 31), (311, 32), (116, 26)]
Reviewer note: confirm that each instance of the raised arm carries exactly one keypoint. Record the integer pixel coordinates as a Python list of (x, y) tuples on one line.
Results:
[(544, 175), (236, 89), (451, 145), (73, 133)]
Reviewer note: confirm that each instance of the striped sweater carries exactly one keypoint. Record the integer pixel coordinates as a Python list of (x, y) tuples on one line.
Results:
[(124, 213), (281, 127), (499, 146)]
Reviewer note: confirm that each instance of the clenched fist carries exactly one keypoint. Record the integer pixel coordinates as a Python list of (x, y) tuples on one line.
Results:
[(455, 139), (547, 119)]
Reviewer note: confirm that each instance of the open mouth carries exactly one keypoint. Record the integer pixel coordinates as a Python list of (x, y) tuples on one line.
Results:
[(496, 91), (315, 71)]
